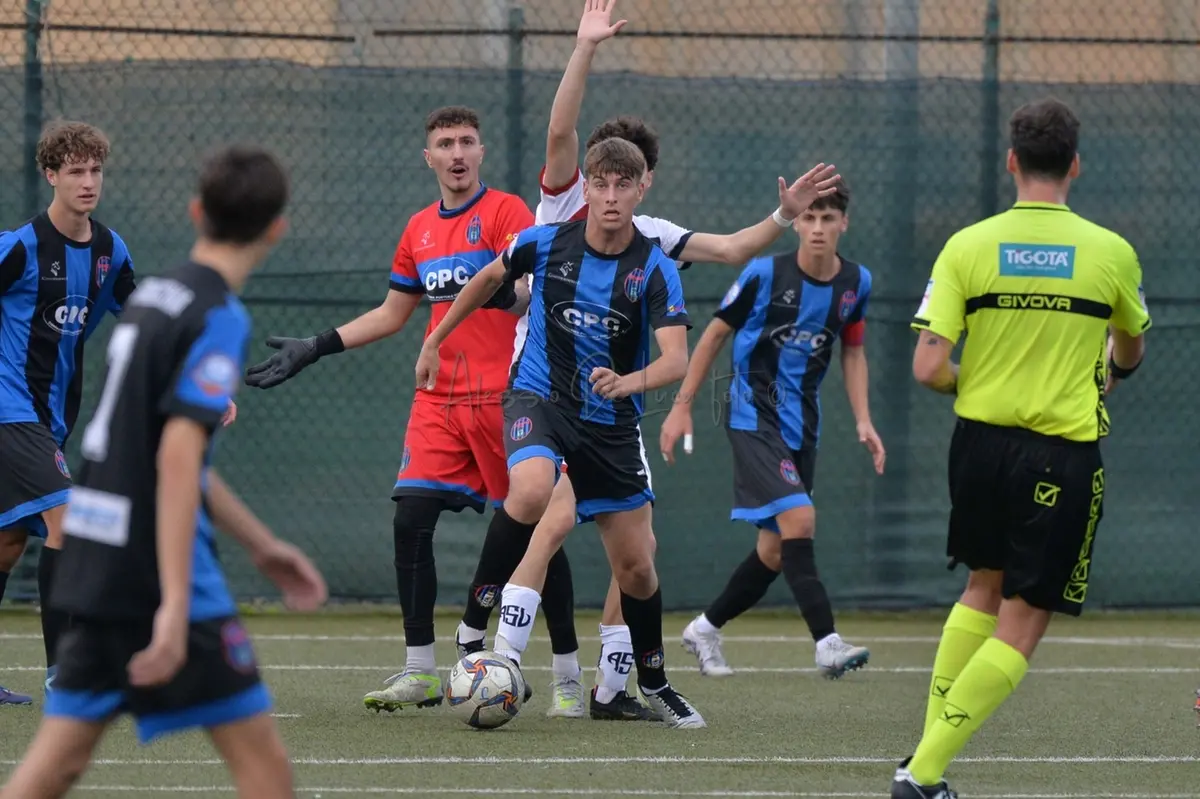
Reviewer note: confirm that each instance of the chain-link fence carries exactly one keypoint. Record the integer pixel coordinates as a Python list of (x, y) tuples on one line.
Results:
[(908, 97)]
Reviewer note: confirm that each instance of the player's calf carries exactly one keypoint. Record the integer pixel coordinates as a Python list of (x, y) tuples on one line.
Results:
[(256, 757), (56, 759)]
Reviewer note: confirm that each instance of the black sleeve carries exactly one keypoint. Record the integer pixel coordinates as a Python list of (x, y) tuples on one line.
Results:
[(520, 258), (12, 266), (739, 302), (124, 285), (504, 298)]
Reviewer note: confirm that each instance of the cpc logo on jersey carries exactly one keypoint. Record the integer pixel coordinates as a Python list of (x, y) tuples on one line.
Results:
[(216, 375), (68, 316), (590, 320), (792, 337), (453, 272)]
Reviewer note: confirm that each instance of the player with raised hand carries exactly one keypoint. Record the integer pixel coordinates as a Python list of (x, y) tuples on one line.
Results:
[(155, 631), (562, 199), (576, 394), (786, 313), (453, 453)]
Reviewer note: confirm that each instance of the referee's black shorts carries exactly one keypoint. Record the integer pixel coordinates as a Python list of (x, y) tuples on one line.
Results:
[(1028, 505)]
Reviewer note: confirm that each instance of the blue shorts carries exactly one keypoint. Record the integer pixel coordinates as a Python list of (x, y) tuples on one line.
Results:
[(33, 476), (218, 684), (769, 477)]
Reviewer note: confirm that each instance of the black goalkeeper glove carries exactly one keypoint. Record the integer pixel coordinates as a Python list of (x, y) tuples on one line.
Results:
[(294, 354)]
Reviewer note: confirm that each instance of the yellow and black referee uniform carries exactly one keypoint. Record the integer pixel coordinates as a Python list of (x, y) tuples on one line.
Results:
[(1035, 289)]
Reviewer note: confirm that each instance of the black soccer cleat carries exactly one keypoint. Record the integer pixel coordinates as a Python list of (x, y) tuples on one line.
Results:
[(905, 787), (469, 648), (623, 707)]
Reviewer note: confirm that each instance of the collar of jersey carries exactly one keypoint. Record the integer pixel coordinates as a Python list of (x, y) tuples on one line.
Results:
[(444, 214), (78, 245), (1041, 205)]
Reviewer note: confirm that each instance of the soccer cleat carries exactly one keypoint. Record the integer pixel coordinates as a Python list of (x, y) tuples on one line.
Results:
[(905, 787), (566, 701), (7, 697), (623, 707), (674, 708), (835, 657), (707, 649), (406, 689), (469, 648)]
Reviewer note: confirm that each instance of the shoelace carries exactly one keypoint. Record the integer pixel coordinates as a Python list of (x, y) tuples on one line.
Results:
[(674, 702), (573, 689)]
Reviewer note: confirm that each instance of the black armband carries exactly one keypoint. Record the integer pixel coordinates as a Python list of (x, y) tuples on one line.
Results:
[(504, 298), (329, 343), (1119, 373)]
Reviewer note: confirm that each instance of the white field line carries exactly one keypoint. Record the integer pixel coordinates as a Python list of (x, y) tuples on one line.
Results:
[(665, 760), (740, 670), (492, 791)]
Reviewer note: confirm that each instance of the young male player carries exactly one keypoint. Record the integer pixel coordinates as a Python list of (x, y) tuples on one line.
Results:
[(599, 288), (60, 273), (785, 313), (154, 631), (1036, 287), (453, 453), (562, 199)]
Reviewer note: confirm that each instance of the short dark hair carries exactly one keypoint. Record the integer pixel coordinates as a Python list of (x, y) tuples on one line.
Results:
[(64, 142), (614, 157), (451, 116), (1044, 137), (632, 130), (243, 189), (838, 201)]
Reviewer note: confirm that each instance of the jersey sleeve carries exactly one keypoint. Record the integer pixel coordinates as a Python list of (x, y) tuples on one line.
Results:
[(664, 295), (854, 331), (1130, 313), (211, 372), (943, 309), (404, 268), (12, 260), (559, 203), (521, 257), (511, 217), (670, 237), (739, 301)]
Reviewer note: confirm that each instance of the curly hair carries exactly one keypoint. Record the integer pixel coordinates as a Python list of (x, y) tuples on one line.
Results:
[(70, 142), (633, 130)]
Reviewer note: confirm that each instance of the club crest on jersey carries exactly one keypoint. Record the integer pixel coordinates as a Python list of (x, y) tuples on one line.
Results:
[(103, 264), (788, 470), (60, 461), (405, 458), (635, 284), (849, 300), (216, 374), (239, 652), (521, 428), (474, 230), (731, 295)]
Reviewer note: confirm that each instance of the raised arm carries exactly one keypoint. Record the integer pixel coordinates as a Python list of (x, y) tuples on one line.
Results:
[(562, 139), (738, 248)]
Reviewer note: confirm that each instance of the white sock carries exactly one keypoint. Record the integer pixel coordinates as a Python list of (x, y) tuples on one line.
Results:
[(703, 625), (566, 667), (518, 609), (469, 635), (421, 660), (616, 661)]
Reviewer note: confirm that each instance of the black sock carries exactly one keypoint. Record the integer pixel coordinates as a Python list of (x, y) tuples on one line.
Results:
[(3, 584), (558, 603), (416, 572), (503, 547), (800, 571), (746, 587), (54, 622), (644, 618)]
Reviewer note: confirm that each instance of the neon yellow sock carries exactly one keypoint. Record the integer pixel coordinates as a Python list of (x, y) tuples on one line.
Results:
[(965, 631), (988, 679)]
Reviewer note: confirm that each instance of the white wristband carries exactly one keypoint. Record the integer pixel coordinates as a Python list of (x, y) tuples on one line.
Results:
[(779, 220)]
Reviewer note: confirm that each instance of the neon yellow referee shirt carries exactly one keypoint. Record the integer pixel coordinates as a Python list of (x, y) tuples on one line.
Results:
[(1035, 288)]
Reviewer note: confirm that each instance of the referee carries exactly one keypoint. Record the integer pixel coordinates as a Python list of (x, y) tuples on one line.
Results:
[(1038, 289)]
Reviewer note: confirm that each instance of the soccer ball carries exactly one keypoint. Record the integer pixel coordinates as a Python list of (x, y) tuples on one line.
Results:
[(485, 690)]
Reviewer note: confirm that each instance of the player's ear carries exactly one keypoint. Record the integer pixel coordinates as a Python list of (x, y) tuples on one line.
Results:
[(51, 177), (428, 160), (1075, 169), (845, 221), (276, 230), (195, 212), (1010, 163)]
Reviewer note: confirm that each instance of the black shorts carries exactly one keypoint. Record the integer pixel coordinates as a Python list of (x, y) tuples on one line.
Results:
[(33, 476), (1027, 505), (607, 463), (218, 684), (769, 477)]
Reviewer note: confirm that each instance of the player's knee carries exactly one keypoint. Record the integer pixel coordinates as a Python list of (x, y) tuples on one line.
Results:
[(265, 775), (412, 529), (769, 551), (983, 591), (797, 522), (12, 546), (653, 544), (54, 519), (634, 571)]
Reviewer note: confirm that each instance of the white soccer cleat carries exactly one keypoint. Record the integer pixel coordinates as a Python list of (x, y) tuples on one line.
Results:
[(835, 657), (707, 649), (406, 689), (674, 708), (566, 699)]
